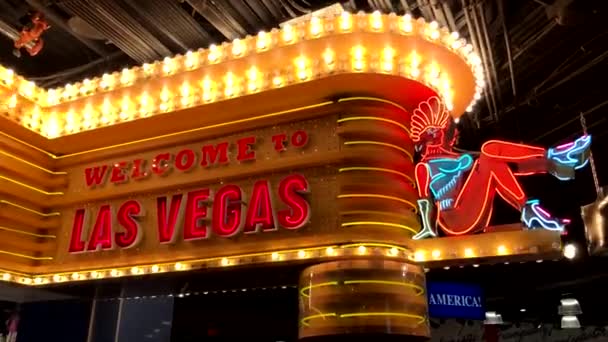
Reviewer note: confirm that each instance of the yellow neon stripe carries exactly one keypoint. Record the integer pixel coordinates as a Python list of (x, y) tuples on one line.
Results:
[(55, 213), (372, 244), (323, 315), (371, 142), (378, 223), (356, 118), (369, 98), (28, 233), (379, 169), (28, 145), (309, 287), (32, 164), (419, 289), (56, 193), (421, 319), (376, 212), (392, 198), (19, 255)]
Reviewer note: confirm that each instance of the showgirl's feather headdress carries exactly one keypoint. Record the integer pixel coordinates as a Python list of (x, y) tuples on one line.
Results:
[(431, 113)]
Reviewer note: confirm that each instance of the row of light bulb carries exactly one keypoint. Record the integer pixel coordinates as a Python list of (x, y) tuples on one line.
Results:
[(190, 94), (353, 250), (316, 27), (436, 254)]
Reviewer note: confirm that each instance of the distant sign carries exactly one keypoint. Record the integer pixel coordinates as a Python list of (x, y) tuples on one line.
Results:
[(455, 300)]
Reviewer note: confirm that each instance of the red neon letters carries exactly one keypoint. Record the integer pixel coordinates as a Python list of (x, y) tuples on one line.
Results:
[(187, 159), (200, 215)]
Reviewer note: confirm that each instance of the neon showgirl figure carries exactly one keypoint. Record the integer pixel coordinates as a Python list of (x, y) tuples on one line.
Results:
[(457, 190)]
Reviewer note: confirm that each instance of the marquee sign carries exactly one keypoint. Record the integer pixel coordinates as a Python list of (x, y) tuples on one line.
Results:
[(201, 213)]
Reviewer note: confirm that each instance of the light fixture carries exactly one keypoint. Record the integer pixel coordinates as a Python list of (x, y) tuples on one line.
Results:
[(570, 251), (569, 307), (493, 318), (570, 322)]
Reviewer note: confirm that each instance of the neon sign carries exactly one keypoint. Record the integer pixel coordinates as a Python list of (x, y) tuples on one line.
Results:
[(197, 215), (187, 159), (457, 190)]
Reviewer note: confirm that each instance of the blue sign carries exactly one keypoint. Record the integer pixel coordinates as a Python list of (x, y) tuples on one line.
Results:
[(455, 300)]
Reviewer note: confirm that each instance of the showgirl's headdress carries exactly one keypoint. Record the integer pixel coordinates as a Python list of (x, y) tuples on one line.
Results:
[(430, 114)]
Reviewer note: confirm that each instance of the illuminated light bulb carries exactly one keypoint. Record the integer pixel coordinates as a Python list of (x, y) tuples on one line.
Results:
[(277, 81), (179, 266), (57, 278), (208, 90), (301, 254), (51, 97), (191, 60), (12, 101), (125, 108), (252, 75), (155, 268), (436, 254), (434, 34), (405, 24), (115, 273), (165, 95), (346, 21), (288, 33), (229, 84), (358, 54), (570, 251), (168, 65), (274, 256), (144, 102), (477, 96), (94, 274), (38, 280), (387, 59), (329, 57), (27, 88), (434, 25), (262, 40), (501, 250), (135, 270), (52, 127), (393, 251), (107, 81), (148, 69), (225, 262), (468, 252), (302, 67), (456, 120), (75, 276), (35, 118), (316, 26), (6, 276), (215, 53), (238, 47), (361, 250), (184, 89), (70, 121), (330, 251), (376, 21), (9, 77), (126, 76), (419, 256), (68, 91), (469, 108)]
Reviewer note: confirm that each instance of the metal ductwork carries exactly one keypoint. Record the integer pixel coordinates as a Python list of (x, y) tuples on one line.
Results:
[(213, 13), (171, 23), (113, 20)]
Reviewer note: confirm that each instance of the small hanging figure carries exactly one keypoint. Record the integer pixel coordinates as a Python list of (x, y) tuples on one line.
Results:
[(29, 37)]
